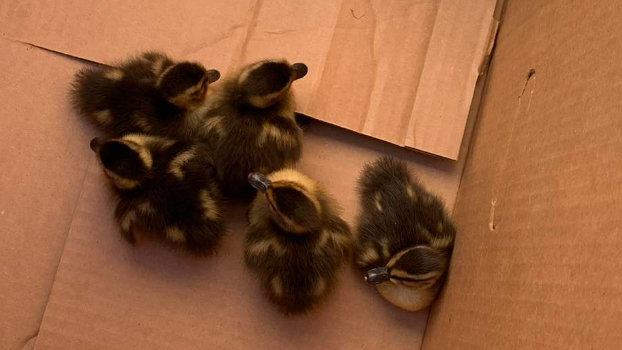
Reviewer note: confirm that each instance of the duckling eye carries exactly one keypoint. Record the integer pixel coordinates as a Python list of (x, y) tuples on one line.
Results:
[(409, 283), (198, 94)]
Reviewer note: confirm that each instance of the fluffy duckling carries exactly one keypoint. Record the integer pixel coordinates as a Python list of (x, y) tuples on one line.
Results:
[(296, 240), (405, 236), (165, 188), (252, 119), (148, 94)]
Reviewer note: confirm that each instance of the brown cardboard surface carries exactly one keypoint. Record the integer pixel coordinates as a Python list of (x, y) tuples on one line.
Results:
[(462, 37), (402, 71), (108, 31), (546, 151), (108, 295), (43, 162)]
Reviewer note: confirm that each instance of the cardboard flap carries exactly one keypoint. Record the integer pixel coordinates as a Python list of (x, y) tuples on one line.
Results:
[(402, 72), (105, 31)]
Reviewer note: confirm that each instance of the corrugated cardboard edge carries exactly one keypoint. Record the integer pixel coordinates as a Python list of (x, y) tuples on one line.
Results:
[(478, 98), (548, 156), (443, 95)]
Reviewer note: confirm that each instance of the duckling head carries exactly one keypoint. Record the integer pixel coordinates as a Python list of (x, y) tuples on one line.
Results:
[(126, 161), (185, 84), (291, 198), (265, 83), (409, 280)]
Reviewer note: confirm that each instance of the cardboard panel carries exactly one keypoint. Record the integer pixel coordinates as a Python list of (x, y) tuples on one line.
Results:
[(542, 270), (374, 63), (108, 295), (387, 70), (462, 36), (43, 160), (105, 31)]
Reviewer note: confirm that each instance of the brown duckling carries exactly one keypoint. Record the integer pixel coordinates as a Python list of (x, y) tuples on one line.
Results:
[(149, 93), (252, 120), (296, 240), (405, 236), (165, 188)]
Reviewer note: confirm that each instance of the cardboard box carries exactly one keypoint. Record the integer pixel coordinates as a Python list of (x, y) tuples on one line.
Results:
[(70, 282), (536, 263)]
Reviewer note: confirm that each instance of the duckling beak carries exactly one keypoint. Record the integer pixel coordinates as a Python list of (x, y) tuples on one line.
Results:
[(96, 144), (212, 75), (259, 181), (300, 70), (377, 275)]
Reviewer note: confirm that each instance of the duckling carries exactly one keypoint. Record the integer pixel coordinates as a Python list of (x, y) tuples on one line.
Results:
[(165, 188), (148, 94), (405, 236), (251, 118), (296, 240)]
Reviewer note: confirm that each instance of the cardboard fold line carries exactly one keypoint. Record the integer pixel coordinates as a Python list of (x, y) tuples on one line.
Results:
[(448, 78)]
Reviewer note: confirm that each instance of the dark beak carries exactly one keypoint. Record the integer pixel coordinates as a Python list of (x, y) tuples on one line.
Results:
[(259, 182), (212, 75), (300, 70), (377, 275), (95, 144)]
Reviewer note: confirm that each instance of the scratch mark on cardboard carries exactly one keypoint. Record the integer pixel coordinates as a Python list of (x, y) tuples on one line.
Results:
[(55, 52), (278, 32), (355, 16), (531, 77), (491, 222), (530, 74)]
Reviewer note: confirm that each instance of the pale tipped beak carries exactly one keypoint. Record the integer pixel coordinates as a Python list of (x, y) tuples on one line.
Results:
[(259, 181), (96, 144), (377, 275), (212, 76), (300, 70)]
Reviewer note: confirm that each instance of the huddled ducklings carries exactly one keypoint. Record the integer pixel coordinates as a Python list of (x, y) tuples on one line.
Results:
[(149, 93), (251, 117), (165, 188), (405, 236), (296, 240)]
